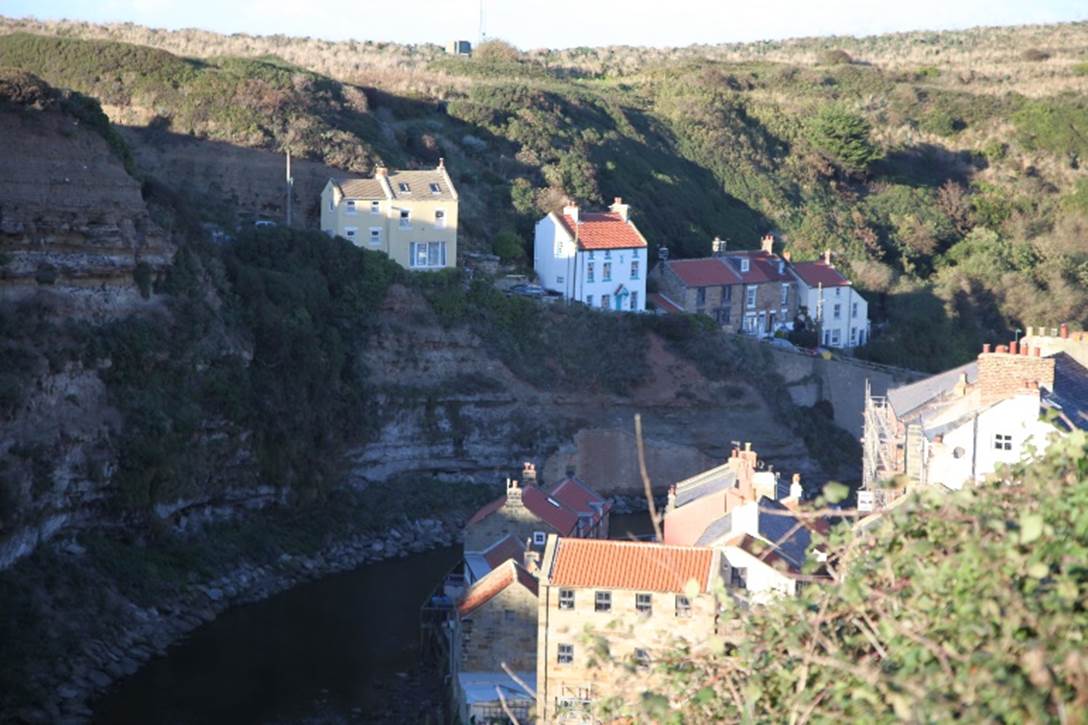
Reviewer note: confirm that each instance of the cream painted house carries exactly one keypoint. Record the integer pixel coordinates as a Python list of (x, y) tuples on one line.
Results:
[(409, 215)]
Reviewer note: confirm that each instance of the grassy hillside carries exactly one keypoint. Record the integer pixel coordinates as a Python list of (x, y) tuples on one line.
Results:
[(945, 170)]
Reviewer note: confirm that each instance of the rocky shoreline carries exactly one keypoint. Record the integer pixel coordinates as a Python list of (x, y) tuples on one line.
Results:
[(144, 633)]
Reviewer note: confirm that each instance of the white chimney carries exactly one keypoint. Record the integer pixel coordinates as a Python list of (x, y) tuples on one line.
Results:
[(618, 207), (767, 244), (796, 492), (571, 210), (827, 257)]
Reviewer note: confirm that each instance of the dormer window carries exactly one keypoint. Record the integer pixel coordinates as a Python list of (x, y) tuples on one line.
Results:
[(745, 264), (404, 188), (435, 188)]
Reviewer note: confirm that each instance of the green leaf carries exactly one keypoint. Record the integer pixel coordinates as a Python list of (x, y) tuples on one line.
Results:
[(835, 491), (1031, 527)]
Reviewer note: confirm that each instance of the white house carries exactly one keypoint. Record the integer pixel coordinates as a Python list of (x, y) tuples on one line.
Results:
[(597, 258), (842, 313), (955, 428)]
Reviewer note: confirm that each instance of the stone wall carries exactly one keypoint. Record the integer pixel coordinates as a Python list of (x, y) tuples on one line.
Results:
[(503, 632)]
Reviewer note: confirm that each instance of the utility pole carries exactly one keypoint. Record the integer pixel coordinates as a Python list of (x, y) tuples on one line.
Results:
[(290, 187)]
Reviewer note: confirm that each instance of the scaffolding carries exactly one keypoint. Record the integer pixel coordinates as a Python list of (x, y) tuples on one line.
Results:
[(881, 444)]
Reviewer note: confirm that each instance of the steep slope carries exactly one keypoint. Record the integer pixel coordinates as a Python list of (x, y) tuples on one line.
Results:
[(71, 217)]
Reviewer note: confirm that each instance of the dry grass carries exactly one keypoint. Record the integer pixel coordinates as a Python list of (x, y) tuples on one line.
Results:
[(1036, 60)]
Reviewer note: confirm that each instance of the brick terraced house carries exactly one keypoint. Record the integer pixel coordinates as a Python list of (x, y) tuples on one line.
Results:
[(606, 607)]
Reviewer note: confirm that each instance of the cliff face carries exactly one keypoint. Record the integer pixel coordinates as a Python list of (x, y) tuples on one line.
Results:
[(71, 216)]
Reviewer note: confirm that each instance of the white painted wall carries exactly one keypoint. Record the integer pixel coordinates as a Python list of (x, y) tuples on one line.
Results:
[(560, 267), (851, 321), (764, 581), (978, 457)]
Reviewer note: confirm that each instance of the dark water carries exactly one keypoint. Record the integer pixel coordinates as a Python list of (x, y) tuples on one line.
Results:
[(327, 651)]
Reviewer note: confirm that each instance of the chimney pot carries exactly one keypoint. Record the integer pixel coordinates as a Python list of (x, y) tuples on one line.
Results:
[(1037, 351), (1014, 347), (618, 200), (1064, 330), (1031, 331), (985, 347), (1002, 348), (441, 162), (747, 446)]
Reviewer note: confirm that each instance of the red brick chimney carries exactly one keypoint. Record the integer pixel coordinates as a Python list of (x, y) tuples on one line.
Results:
[(1002, 374)]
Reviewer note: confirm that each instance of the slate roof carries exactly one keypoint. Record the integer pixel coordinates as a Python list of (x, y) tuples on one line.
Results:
[(818, 273), (1070, 390), (763, 267), (907, 398), (713, 481), (419, 185), (778, 525), (764, 552), (705, 272), (494, 582), (361, 188), (603, 230), (504, 549), (604, 564)]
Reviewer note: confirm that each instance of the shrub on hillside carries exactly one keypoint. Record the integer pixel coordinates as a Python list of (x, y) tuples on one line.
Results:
[(837, 56), (843, 137), (955, 607)]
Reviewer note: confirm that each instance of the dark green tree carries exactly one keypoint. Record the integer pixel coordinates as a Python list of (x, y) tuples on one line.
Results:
[(844, 138)]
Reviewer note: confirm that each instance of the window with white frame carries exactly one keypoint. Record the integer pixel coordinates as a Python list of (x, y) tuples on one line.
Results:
[(683, 606), (745, 264), (440, 218), (566, 599), (644, 602), (606, 271), (565, 654), (602, 601), (589, 272), (738, 577), (750, 297), (853, 336), (375, 236), (854, 309), (428, 254), (642, 657), (540, 538), (1002, 442), (838, 312), (589, 300), (785, 294), (375, 207), (634, 269), (836, 338), (435, 188), (350, 232), (349, 206), (405, 219), (404, 188), (608, 254), (634, 300), (605, 302), (750, 323)]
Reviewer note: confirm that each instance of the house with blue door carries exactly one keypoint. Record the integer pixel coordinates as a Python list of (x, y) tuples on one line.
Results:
[(597, 258)]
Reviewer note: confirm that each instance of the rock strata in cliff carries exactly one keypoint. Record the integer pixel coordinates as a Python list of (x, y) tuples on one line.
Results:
[(71, 217)]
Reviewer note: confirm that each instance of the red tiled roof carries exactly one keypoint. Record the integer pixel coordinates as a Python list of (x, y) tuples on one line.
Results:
[(763, 267), (629, 565), (819, 273), (705, 272), (494, 582), (577, 496), (662, 302), (504, 549), (603, 230), (556, 515)]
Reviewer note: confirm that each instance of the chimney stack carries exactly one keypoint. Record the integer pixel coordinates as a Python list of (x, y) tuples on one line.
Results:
[(618, 207), (528, 473), (671, 504), (381, 171), (441, 163), (986, 348), (513, 494), (1002, 373), (717, 247), (571, 210), (767, 244), (1063, 330), (787, 256), (827, 257), (1014, 347), (663, 254)]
